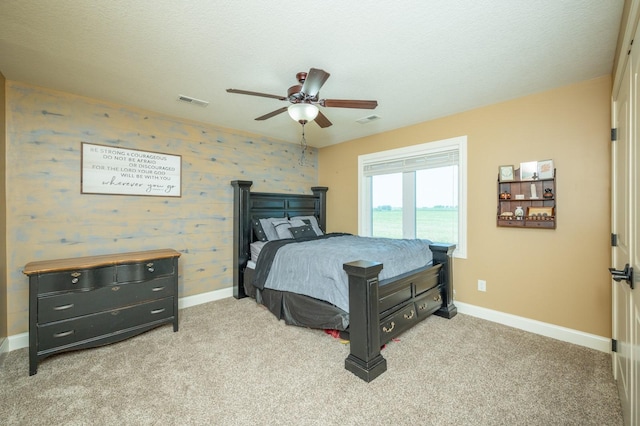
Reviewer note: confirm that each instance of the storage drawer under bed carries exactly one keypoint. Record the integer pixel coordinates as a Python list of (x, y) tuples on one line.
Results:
[(406, 287), (397, 322), (428, 303)]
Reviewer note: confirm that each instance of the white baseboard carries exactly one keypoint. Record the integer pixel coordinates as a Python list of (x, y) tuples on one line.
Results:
[(18, 341), (198, 299), (564, 334), (21, 340)]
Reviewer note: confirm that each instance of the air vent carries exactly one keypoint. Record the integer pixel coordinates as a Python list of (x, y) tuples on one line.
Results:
[(194, 101), (367, 119)]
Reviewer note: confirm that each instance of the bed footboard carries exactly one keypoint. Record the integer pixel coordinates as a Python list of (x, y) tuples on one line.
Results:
[(364, 360), (443, 254), (426, 292)]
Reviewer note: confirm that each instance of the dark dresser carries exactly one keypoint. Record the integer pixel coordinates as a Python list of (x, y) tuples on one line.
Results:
[(90, 301)]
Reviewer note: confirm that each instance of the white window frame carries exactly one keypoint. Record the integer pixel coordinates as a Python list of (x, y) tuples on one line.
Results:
[(364, 185)]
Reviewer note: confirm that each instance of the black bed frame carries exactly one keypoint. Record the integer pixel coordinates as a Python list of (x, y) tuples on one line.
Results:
[(378, 310)]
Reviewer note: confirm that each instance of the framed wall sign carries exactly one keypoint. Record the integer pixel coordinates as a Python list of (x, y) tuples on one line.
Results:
[(113, 170)]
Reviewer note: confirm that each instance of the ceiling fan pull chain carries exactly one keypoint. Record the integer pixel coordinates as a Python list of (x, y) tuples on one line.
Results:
[(303, 145)]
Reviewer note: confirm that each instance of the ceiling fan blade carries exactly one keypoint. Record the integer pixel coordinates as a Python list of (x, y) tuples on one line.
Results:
[(272, 113), (264, 95), (346, 103), (314, 81), (322, 120)]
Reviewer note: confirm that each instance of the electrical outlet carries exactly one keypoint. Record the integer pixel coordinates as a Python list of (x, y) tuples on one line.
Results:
[(482, 285)]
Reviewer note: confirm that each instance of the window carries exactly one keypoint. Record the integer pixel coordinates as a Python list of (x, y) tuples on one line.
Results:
[(416, 192)]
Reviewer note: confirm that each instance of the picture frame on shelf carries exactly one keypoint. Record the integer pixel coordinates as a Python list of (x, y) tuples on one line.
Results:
[(529, 170), (506, 173), (545, 169), (541, 212)]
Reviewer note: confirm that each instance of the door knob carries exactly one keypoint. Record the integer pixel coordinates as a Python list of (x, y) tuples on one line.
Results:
[(624, 274)]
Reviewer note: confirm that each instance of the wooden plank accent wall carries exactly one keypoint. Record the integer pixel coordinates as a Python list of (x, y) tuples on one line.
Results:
[(48, 218)]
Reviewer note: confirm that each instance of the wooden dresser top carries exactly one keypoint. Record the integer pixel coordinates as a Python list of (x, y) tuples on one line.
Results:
[(45, 266)]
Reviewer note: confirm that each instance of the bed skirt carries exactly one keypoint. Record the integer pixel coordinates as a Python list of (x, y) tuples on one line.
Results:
[(297, 309)]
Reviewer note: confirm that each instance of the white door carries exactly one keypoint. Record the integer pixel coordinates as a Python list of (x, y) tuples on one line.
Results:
[(632, 289), (626, 313)]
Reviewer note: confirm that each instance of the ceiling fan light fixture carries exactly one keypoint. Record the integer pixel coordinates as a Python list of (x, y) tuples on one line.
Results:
[(303, 111)]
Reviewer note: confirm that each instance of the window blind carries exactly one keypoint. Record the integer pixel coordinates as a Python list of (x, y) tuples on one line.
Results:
[(417, 162)]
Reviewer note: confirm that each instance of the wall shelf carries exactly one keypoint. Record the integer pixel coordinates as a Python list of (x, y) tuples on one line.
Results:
[(536, 199)]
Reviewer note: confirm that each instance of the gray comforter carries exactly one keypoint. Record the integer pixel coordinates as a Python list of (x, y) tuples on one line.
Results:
[(314, 267)]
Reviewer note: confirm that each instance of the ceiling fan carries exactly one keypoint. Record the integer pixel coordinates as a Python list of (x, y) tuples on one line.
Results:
[(304, 99)]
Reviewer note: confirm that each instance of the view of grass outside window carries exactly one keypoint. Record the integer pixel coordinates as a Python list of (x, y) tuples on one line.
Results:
[(436, 204), (386, 201)]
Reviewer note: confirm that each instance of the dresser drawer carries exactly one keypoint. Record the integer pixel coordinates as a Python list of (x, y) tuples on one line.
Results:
[(64, 333), (397, 322), (83, 279), (430, 302), (144, 271), (77, 303)]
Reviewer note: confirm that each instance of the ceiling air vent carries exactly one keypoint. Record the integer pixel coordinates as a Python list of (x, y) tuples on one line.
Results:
[(368, 119), (194, 101)]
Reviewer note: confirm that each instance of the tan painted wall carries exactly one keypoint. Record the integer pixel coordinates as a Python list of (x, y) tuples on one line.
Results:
[(48, 218), (556, 276), (3, 216)]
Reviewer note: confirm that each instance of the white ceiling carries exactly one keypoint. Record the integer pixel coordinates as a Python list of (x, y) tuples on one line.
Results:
[(420, 59)]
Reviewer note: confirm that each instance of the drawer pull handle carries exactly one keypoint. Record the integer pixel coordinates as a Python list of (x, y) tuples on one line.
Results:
[(422, 307), (151, 269), (157, 311), (389, 330), (64, 333), (63, 307), (437, 298), (74, 281), (150, 264), (410, 315), (115, 288), (157, 288), (75, 274)]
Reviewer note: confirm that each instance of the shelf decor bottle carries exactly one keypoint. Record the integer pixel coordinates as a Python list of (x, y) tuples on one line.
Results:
[(518, 213)]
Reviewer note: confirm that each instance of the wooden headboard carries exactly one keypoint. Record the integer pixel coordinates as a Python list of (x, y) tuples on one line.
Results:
[(249, 205)]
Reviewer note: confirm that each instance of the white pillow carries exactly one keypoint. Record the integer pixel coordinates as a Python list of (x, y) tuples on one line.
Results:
[(313, 221), (268, 228), (255, 247), (282, 227)]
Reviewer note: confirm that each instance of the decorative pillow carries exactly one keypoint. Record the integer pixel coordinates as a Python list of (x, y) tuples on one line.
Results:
[(311, 220), (302, 231), (268, 228), (258, 230), (282, 227)]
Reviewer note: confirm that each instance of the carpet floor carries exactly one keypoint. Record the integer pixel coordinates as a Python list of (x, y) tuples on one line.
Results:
[(234, 363)]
